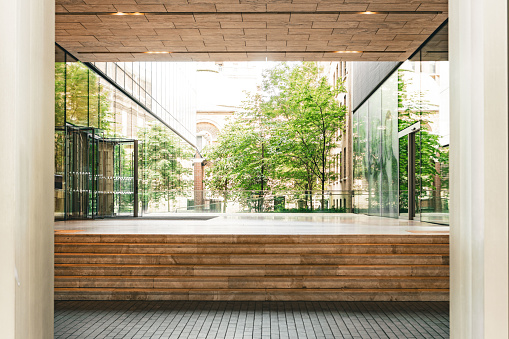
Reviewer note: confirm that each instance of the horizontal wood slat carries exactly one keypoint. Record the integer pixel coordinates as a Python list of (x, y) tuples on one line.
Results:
[(257, 267)]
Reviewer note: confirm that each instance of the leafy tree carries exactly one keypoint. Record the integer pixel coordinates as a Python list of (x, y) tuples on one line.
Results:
[(284, 137), (223, 174), (162, 172), (220, 176), (242, 158), (305, 101)]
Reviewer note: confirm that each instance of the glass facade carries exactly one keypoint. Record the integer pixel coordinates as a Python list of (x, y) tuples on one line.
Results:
[(97, 129), (375, 140), (360, 154), (165, 88), (417, 92), (389, 148)]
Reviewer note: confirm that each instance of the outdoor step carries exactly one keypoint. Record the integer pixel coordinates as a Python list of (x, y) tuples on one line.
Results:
[(207, 248), (253, 259), (251, 267), (253, 294), (255, 239), (251, 270), (248, 282)]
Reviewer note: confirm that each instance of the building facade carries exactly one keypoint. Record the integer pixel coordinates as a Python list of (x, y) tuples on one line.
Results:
[(396, 173), (117, 126)]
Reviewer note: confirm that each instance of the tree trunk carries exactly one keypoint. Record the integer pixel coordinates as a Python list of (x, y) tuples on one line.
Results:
[(438, 189), (310, 196), (225, 195), (323, 193), (225, 201)]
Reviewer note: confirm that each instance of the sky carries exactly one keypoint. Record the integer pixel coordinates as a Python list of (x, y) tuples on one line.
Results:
[(222, 86)]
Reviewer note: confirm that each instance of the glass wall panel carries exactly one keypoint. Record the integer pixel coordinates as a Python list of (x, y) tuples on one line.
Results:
[(165, 89), (361, 178), (96, 128), (417, 92), (111, 70), (60, 173), (355, 160), (60, 88), (390, 150), (76, 93), (119, 76), (93, 100), (374, 152)]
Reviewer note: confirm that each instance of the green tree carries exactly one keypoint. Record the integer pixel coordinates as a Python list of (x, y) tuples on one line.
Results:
[(219, 177), (312, 117), (162, 172), (284, 136), (242, 158), (221, 174)]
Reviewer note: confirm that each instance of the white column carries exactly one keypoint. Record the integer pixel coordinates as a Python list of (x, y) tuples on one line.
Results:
[(479, 169), (26, 168)]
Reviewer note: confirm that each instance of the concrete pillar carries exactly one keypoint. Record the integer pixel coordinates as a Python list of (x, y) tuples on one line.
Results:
[(479, 169), (26, 168)]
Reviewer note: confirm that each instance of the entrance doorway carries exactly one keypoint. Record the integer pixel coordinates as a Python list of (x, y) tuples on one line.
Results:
[(408, 199), (96, 176)]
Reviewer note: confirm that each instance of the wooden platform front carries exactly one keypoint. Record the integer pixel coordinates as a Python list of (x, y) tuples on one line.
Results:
[(412, 267)]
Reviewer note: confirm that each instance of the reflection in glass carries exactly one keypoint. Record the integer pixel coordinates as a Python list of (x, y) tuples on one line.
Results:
[(96, 127), (76, 81), (417, 92), (60, 92), (390, 149), (361, 184), (373, 151), (356, 161), (376, 152)]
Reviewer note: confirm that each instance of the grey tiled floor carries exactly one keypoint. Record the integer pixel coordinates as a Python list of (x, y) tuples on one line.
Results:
[(182, 319)]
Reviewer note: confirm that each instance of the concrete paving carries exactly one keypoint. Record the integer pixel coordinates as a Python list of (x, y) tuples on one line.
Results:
[(181, 319), (251, 223)]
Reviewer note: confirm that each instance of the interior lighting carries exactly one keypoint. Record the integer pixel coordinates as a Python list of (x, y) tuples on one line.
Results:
[(347, 52), (368, 12), (157, 52), (123, 13)]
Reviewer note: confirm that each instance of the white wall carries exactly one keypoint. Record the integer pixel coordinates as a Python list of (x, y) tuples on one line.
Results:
[(26, 168), (479, 169)]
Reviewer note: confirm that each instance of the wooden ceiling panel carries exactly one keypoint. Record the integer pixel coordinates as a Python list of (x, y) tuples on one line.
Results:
[(216, 30)]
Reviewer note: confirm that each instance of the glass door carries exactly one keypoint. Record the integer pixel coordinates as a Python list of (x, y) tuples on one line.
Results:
[(78, 173), (95, 176), (124, 177), (409, 160), (104, 179)]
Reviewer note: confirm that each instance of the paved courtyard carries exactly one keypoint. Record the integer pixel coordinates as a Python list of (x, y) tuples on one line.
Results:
[(250, 223), (184, 319)]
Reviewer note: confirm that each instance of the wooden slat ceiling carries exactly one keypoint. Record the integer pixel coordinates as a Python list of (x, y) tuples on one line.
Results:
[(435, 49), (241, 30)]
